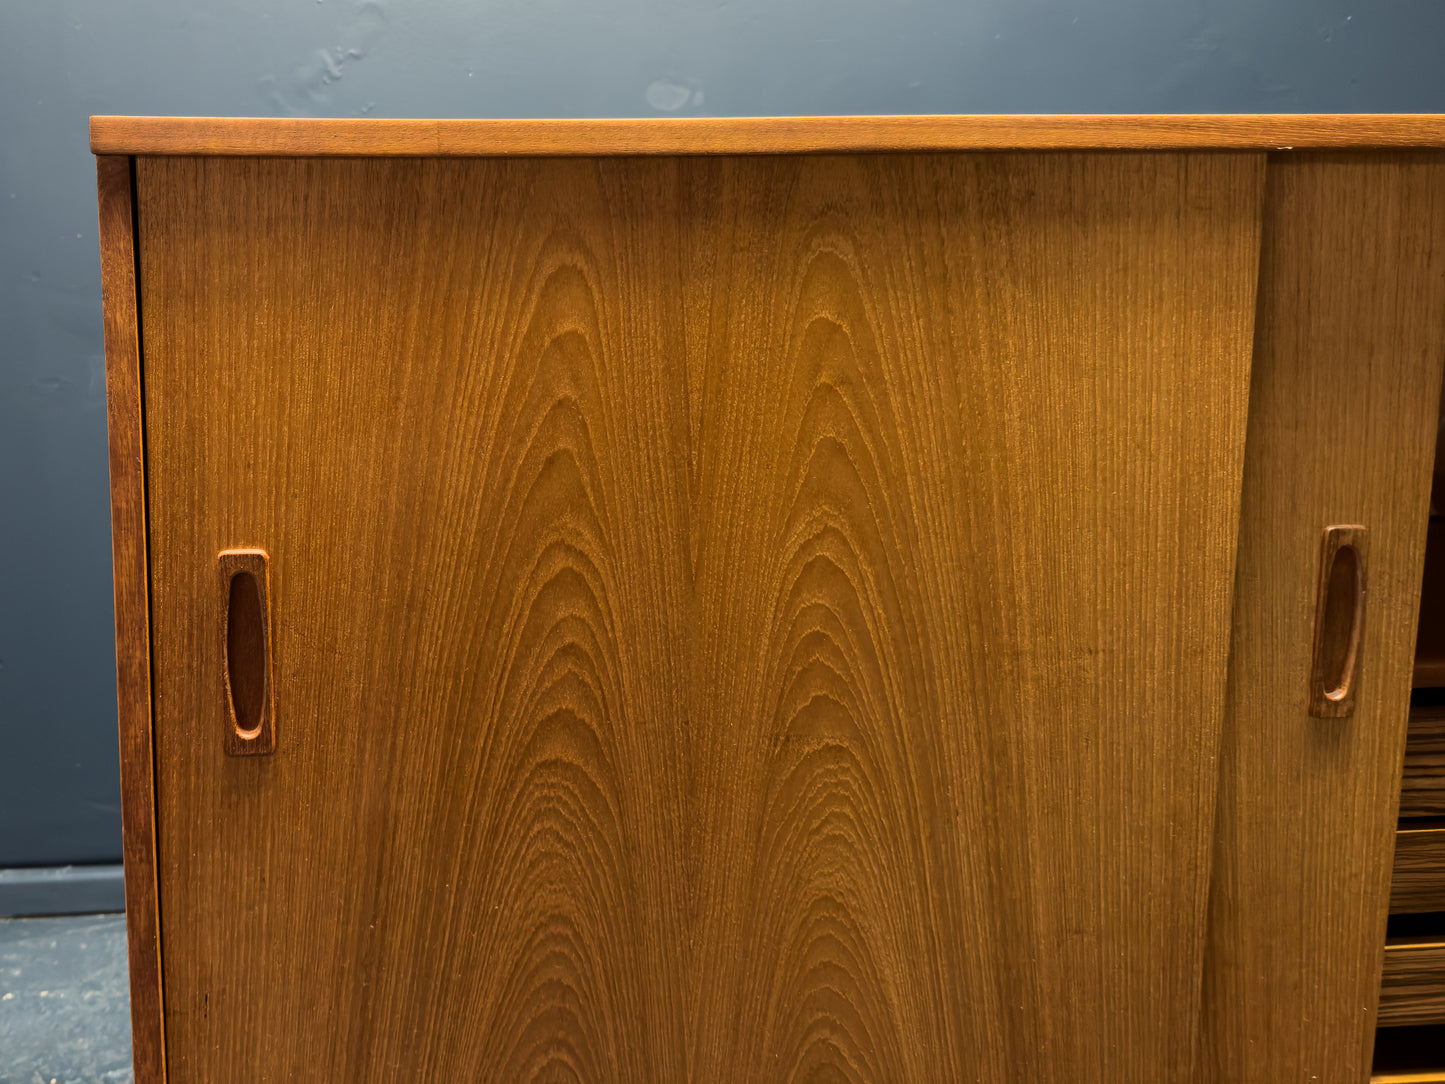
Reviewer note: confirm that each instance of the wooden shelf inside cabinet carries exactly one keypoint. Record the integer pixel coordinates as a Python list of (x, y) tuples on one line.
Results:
[(1430, 639), (1422, 788), (1409, 1055), (1418, 884), (1412, 990)]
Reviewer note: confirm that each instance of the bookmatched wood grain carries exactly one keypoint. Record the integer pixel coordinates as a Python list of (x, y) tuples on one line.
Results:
[(1413, 988), (1418, 882), (735, 619), (967, 442), (1349, 340), (1422, 789), (371, 137), (132, 612)]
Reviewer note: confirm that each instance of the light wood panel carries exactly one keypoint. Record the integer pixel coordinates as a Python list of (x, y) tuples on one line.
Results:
[(1418, 881), (1422, 790), (1349, 341), (369, 137), (132, 612), (744, 619), (1413, 987)]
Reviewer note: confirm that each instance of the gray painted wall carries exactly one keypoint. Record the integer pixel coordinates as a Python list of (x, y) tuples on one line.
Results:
[(61, 60)]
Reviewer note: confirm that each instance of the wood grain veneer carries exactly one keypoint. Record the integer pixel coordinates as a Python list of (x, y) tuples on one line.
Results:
[(1422, 790), (132, 611), (1349, 340), (1413, 989), (1418, 882), (743, 618), (754, 135), (958, 728)]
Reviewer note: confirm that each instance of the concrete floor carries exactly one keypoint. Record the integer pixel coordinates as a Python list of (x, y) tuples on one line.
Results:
[(64, 1004)]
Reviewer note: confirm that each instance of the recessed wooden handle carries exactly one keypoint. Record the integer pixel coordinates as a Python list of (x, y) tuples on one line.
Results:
[(246, 647), (1339, 622)]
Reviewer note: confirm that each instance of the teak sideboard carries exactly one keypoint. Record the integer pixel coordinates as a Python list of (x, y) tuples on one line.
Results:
[(915, 599)]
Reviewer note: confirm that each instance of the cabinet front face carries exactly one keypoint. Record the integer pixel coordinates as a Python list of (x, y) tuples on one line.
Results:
[(730, 619)]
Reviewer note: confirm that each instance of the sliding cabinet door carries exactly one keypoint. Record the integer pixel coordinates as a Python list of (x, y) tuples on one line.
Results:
[(967, 437), (447, 400), (729, 619), (1349, 345)]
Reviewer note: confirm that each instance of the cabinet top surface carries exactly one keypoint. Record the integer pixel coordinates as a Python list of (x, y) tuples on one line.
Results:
[(287, 137)]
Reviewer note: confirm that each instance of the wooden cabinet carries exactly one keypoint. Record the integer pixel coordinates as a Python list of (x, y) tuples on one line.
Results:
[(764, 600)]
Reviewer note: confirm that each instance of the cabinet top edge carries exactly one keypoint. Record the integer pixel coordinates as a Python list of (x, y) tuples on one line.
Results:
[(375, 137)]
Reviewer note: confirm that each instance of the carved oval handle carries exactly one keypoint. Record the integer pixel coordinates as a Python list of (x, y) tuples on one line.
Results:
[(1339, 622), (250, 729)]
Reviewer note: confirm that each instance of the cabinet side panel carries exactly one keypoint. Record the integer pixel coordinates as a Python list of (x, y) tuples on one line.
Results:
[(1350, 335), (969, 441), (132, 613)]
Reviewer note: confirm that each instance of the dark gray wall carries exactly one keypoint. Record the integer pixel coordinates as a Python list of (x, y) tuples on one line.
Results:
[(61, 60)]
